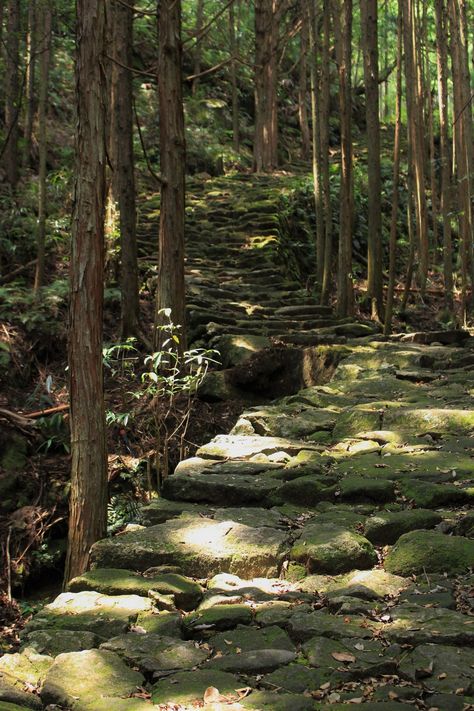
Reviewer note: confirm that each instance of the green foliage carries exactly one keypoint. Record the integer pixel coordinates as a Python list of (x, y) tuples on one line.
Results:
[(39, 317), (122, 509), (55, 433)]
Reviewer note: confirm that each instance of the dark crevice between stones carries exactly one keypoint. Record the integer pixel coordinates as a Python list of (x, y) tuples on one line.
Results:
[(274, 372)]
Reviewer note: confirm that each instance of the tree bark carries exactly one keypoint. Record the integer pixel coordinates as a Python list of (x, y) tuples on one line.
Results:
[(342, 17), (445, 154), (45, 57), (324, 110), (267, 21), (396, 181), (369, 27), (463, 135), (311, 20), (303, 86), (88, 503), (12, 93), (123, 164), (170, 292), (31, 41), (416, 138), (233, 76)]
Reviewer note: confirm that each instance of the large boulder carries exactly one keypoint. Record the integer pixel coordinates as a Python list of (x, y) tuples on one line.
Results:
[(430, 552)]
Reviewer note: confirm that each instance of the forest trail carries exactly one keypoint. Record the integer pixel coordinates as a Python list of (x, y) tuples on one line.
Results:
[(318, 556)]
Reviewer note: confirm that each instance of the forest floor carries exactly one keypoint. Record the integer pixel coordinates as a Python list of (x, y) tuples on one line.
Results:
[(319, 555)]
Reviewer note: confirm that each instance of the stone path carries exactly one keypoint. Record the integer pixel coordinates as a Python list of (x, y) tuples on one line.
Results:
[(318, 556)]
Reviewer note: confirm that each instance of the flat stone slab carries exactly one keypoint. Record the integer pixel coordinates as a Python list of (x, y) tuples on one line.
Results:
[(103, 615), (235, 446), (115, 581), (302, 626), (14, 699), (442, 668), (425, 494), (326, 548), (79, 679), (355, 488), (190, 687), (352, 659), (414, 624), (152, 653), (54, 642), (249, 639), (386, 527), (430, 552), (214, 487), (260, 661), (218, 617), (26, 668), (200, 547), (364, 584)]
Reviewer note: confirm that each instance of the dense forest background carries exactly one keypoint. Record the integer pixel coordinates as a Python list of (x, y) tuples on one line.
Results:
[(365, 107)]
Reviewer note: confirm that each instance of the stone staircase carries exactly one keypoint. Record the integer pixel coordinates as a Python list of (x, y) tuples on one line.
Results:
[(319, 556)]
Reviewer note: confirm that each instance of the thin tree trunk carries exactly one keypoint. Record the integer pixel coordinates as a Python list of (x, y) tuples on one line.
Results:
[(343, 36), (464, 141), (369, 23), (170, 293), (324, 110), (416, 138), (267, 19), (45, 60), (12, 92), (198, 47), (233, 77), (123, 175), (310, 19), (396, 181), (31, 41), (303, 87), (88, 501), (445, 156)]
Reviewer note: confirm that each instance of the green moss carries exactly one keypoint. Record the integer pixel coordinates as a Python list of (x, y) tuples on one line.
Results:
[(430, 552)]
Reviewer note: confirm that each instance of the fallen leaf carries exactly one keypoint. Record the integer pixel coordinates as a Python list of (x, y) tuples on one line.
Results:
[(212, 695), (392, 695), (334, 698), (243, 692), (326, 685), (343, 657), (356, 700), (442, 676), (359, 646)]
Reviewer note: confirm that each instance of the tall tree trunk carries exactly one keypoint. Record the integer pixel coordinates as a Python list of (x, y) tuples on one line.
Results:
[(198, 45), (123, 166), (463, 140), (445, 155), (416, 138), (369, 26), (267, 21), (170, 293), (88, 502), (31, 41), (45, 58), (342, 17), (303, 86), (311, 20), (233, 75), (12, 92), (396, 181), (324, 110)]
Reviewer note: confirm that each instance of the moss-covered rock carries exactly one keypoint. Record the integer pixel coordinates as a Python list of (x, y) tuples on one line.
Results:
[(386, 527), (354, 488), (189, 687), (54, 642), (430, 552), (200, 547), (152, 653), (426, 495), (248, 639), (219, 617), (326, 548), (79, 680), (115, 581)]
